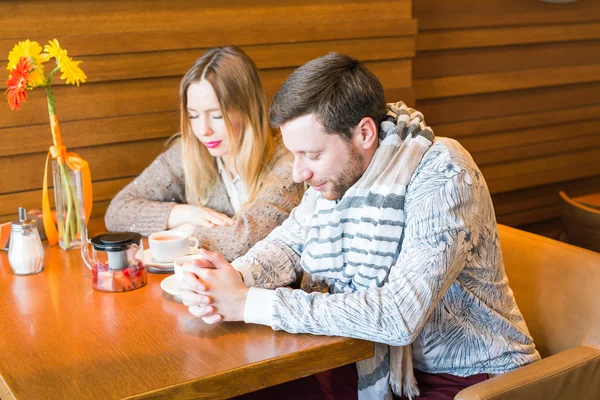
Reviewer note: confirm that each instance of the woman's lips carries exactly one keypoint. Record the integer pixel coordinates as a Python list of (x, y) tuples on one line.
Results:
[(212, 145)]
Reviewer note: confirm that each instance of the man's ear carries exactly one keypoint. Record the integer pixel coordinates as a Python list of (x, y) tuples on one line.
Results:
[(366, 134)]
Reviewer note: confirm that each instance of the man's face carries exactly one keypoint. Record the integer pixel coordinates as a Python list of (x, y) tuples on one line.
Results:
[(328, 163)]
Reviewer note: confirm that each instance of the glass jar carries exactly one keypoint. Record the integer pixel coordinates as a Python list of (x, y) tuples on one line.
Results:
[(70, 210), (25, 253)]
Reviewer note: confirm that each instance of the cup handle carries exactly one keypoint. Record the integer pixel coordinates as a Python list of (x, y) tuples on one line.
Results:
[(85, 254), (196, 243)]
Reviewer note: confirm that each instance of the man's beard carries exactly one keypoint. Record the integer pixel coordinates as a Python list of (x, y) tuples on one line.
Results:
[(349, 175)]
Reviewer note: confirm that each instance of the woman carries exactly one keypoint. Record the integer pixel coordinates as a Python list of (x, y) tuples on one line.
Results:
[(227, 176)]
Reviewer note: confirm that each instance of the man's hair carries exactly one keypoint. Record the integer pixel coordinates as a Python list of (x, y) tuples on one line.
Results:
[(337, 89)]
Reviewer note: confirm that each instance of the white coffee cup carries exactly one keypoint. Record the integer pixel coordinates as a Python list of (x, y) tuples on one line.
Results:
[(178, 264), (166, 246)]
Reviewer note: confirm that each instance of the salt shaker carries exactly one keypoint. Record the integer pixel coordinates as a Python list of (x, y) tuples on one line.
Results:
[(26, 253)]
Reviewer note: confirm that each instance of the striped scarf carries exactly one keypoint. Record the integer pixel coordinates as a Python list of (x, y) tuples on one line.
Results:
[(352, 243)]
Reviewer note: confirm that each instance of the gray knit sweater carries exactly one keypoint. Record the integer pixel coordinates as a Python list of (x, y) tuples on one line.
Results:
[(144, 205)]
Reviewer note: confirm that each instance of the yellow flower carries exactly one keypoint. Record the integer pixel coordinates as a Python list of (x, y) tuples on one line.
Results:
[(33, 51), (54, 50), (71, 71), (69, 68)]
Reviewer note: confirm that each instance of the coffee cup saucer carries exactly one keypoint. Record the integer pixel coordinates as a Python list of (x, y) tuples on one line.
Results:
[(171, 285), (150, 262)]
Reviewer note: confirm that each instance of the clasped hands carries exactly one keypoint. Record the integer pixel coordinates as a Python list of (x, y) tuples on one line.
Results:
[(215, 290)]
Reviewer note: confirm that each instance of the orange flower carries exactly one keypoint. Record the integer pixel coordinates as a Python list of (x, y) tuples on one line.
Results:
[(17, 83)]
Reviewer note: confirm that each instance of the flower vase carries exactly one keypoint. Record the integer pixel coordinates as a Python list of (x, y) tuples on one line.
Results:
[(70, 211)]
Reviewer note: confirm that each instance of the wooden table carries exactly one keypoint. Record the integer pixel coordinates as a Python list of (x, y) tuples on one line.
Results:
[(61, 339)]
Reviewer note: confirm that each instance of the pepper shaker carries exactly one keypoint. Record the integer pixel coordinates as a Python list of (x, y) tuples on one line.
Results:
[(26, 253)]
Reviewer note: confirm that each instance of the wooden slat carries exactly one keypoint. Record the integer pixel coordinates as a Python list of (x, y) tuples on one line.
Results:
[(407, 95), (504, 81), (245, 24), (518, 121), (491, 105), (392, 74), (544, 148), (541, 164), (543, 178), (540, 203), (541, 171), (154, 95), (121, 43), (97, 101), (503, 36), (177, 62), (296, 54), (98, 211), (466, 62), (159, 6), (90, 132), (106, 162), (527, 137), (32, 199), (520, 201), (433, 14)]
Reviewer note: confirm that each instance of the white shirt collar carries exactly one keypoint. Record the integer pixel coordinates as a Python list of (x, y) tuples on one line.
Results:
[(235, 187)]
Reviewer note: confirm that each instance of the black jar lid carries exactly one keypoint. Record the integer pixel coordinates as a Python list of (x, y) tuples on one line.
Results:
[(115, 241)]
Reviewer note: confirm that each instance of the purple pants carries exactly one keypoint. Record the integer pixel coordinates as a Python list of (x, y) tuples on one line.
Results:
[(337, 383), (342, 383), (443, 386)]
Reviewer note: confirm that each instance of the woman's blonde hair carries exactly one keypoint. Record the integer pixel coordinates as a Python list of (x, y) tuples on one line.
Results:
[(239, 89)]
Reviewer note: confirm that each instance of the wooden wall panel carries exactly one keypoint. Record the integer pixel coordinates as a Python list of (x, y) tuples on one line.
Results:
[(175, 63), (109, 161), (213, 22), (461, 62), (140, 96), (504, 81), (460, 14), (135, 53), (518, 84), (103, 192), (536, 208), (512, 104), (504, 36)]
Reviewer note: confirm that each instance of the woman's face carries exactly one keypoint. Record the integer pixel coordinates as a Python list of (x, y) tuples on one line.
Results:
[(206, 119)]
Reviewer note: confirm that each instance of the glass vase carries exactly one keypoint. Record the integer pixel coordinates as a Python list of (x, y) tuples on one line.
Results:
[(70, 211)]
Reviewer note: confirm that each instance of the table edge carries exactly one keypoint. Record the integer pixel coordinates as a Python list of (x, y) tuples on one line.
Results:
[(267, 373)]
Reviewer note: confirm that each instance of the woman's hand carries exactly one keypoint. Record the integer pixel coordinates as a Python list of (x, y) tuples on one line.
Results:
[(197, 215)]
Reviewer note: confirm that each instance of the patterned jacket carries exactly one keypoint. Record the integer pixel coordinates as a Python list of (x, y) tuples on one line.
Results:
[(455, 307)]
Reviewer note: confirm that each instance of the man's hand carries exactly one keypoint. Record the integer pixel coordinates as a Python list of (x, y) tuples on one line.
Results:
[(217, 290)]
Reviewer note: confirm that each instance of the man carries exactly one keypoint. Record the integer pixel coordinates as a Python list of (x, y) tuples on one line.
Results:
[(401, 227)]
